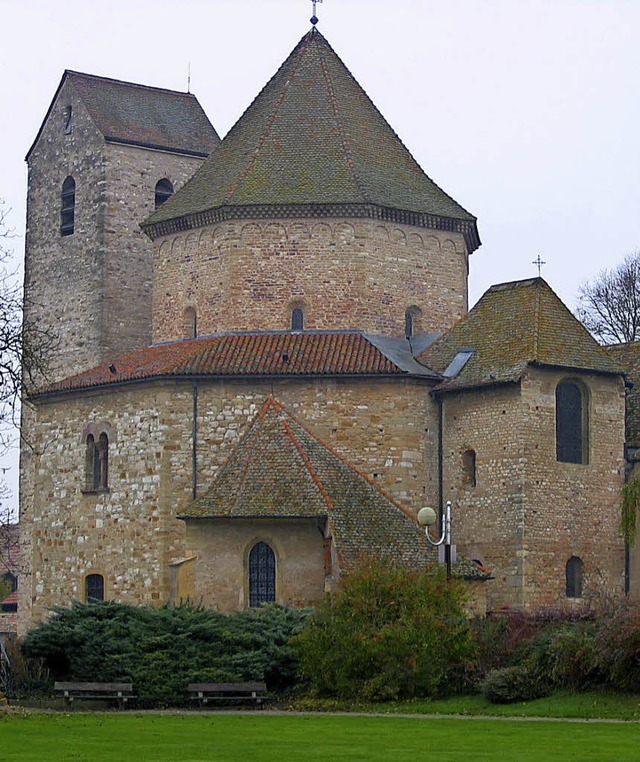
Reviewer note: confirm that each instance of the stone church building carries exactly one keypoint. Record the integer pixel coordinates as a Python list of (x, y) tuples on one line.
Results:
[(266, 364)]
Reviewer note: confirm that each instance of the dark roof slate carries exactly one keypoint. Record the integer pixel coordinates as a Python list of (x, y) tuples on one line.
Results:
[(312, 137), (628, 357), (125, 112), (275, 353), (280, 470), (512, 326)]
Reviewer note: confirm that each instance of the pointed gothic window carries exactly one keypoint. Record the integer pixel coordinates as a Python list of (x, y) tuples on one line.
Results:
[(94, 588), (297, 319), (574, 577), (164, 190), (262, 575), (68, 207), (571, 423)]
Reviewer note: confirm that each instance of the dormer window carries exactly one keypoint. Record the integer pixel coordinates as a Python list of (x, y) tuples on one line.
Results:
[(68, 206), (164, 190)]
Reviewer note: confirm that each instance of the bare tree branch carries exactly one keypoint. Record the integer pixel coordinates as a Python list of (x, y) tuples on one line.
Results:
[(609, 305)]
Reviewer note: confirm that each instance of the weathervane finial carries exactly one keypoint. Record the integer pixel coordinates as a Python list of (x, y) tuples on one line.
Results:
[(538, 261), (314, 18)]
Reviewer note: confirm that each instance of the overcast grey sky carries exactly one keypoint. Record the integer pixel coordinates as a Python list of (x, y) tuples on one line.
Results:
[(527, 112)]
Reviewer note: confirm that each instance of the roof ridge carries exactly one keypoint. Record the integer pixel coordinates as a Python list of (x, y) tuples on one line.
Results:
[(307, 463), (127, 83), (343, 460), (267, 130), (536, 321), (351, 164)]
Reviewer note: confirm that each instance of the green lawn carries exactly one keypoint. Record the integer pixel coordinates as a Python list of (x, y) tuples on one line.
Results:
[(261, 737), (588, 706)]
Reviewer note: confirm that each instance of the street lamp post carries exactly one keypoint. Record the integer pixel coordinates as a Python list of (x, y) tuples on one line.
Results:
[(427, 518)]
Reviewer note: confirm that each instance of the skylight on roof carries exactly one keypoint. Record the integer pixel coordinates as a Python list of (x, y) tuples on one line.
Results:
[(459, 361)]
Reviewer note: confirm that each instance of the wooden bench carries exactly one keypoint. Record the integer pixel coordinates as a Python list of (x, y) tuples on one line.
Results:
[(238, 692), (120, 692)]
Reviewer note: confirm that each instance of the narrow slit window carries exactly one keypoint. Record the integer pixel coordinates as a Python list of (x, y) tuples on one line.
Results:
[(68, 207), (469, 467), (297, 319), (574, 577)]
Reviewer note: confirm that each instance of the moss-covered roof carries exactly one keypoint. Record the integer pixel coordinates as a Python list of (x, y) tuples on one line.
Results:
[(312, 137), (628, 357), (281, 470), (125, 112), (512, 326)]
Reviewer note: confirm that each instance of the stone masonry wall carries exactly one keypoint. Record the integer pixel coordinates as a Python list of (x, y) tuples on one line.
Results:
[(222, 548), (131, 176), (344, 273), (63, 288), (130, 534), (528, 514), (92, 289)]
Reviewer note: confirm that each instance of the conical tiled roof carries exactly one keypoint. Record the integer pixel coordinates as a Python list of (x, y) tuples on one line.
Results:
[(512, 326), (280, 470), (312, 138)]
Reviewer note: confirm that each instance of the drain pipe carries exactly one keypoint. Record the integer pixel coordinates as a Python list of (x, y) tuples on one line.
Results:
[(194, 443)]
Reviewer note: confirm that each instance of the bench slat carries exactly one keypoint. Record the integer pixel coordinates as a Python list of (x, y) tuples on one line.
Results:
[(104, 687), (227, 687)]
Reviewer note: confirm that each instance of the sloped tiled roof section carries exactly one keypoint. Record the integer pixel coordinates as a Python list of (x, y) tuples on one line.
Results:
[(125, 112), (628, 357), (512, 326), (281, 470), (285, 353), (313, 138)]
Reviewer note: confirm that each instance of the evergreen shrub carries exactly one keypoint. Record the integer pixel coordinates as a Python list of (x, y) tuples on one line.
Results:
[(387, 633), (509, 684), (161, 650)]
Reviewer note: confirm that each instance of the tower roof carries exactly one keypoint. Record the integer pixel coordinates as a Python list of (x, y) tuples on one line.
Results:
[(125, 112), (312, 138), (512, 326)]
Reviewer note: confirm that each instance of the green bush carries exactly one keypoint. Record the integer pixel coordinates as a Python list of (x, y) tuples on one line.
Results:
[(161, 650), (387, 633), (619, 647), (509, 684)]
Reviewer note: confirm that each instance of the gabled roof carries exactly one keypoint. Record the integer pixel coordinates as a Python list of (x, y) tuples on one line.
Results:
[(313, 138), (628, 357), (144, 116), (280, 470), (512, 326), (255, 354)]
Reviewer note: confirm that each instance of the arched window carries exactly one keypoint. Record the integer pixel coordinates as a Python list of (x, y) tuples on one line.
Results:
[(190, 323), (68, 206), (164, 190), (94, 588), (262, 575), (571, 423), (469, 467), (412, 321), (297, 319), (97, 463), (574, 577)]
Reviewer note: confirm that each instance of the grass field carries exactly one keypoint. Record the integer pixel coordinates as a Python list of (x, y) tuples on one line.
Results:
[(262, 737)]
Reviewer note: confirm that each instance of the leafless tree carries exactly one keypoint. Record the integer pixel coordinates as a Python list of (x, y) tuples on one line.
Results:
[(609, 305)]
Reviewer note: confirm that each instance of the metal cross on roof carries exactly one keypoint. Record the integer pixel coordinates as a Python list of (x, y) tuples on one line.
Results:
[(538, 262), (314, 18)]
